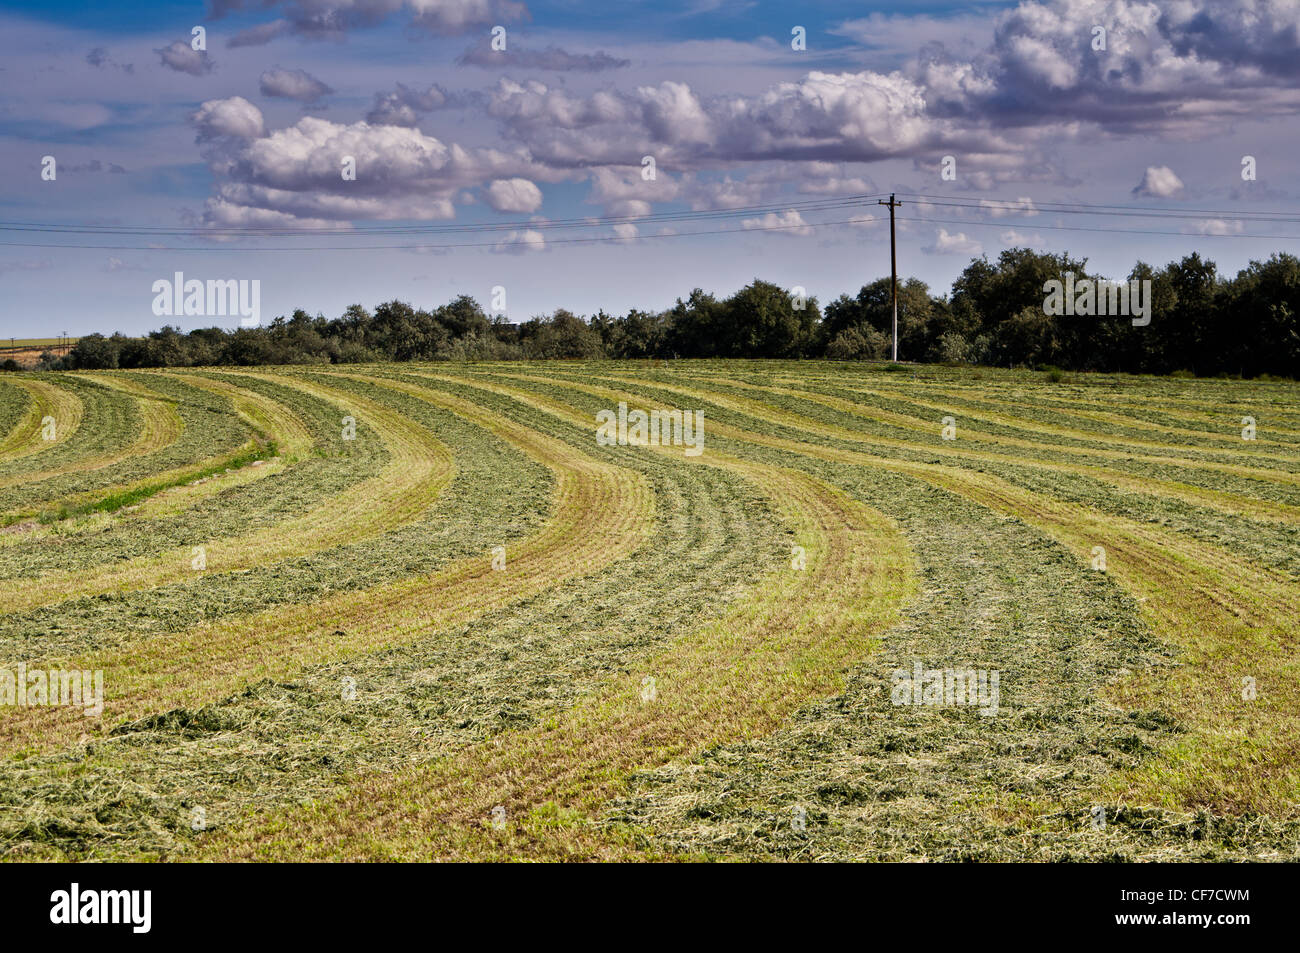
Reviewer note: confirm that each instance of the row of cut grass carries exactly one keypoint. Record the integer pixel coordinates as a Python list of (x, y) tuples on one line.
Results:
[(1232, 618), (278, 743), (418, 467), (198, 665), (735, 677)]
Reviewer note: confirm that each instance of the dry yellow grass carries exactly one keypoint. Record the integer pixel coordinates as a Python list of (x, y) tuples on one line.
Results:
[(203, 664), (48, 400), (160, 425), (1233, 619), (998, 409), (743, 671), (418, 468), (270, 421), (734, 677)]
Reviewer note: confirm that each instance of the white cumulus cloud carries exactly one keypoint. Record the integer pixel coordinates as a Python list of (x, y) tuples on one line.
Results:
[(789, 222), (946, 243), (1159, 181), (513, 195)]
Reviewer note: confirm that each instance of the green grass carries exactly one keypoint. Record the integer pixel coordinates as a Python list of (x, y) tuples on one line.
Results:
[(110, 425), (113, 502), (281, 743), (1120, 690)]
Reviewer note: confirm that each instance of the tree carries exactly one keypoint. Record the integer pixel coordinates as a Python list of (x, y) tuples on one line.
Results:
[(861, 343), (761, 320), (563, 335), (463, 316), (996, 293), (696, 326), (1186, 329), (1028, 337), (921, 317), (94, 352), (1256, 330)]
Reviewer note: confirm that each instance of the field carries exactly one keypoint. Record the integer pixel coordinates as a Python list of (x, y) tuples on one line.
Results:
[(418, 611), (38, 342), (26, 352)]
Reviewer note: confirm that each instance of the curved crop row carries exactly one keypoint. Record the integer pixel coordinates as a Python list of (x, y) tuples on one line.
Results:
[(46, 402), (211, 660), (417, 469), (566, 650), (736, 676), (1229, 616)]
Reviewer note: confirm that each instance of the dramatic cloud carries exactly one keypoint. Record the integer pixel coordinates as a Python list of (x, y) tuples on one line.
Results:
[(823, 116), (293, 84), (235, 117), (220, 213), (296, 171), (823, 178), (404, 106), (1184, 65), (532, 107), (513, 195), (180, 56), (1007, 104), (1035, 81), (552, 58), (1159, 182), (626, 193)]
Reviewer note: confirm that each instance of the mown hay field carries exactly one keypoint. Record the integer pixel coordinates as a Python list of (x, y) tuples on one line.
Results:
[(421, 611)]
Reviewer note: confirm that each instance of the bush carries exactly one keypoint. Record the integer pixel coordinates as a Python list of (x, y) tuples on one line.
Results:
[(354, 353), (472, 347), (862, 343), (952, 348), (1053, 374)]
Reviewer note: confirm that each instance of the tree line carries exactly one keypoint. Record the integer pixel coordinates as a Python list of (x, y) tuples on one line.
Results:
[(1201, 322)]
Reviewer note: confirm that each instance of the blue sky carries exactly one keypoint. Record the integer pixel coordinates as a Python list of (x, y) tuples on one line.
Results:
[(225, 163)]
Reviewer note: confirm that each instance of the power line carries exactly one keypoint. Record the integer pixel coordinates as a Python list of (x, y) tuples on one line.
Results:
[(809, 205), (1084, 228), (433, 247), (1135, 211), (857, 200)]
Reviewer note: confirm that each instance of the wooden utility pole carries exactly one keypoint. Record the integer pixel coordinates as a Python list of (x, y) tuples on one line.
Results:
[(893, 266)]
